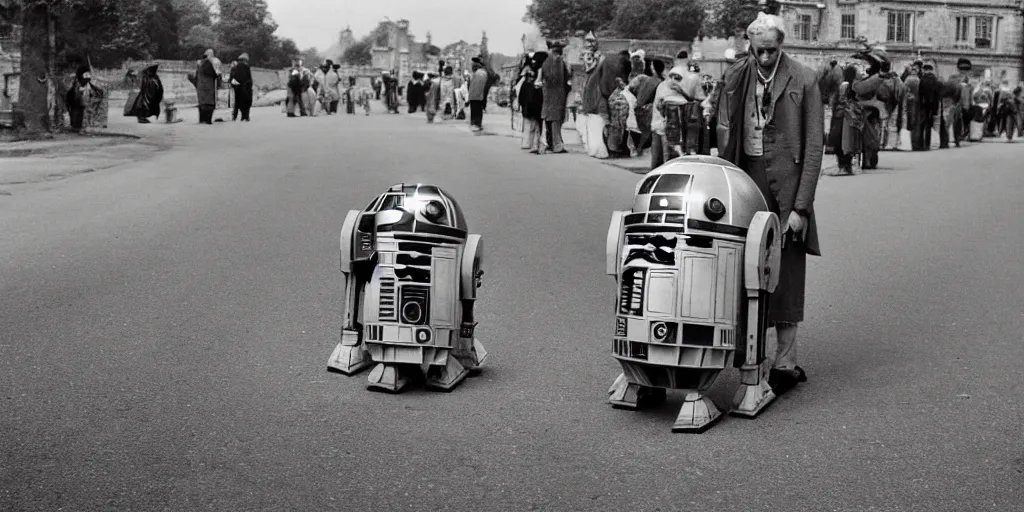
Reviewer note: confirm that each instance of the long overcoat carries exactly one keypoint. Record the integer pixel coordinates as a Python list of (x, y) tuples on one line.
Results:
[(206, 83), (793, 139), (556, 76)]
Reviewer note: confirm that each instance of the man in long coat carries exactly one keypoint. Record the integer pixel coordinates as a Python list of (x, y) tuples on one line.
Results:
[(929, 102), (241, 82), (557, 79), (207, 82), (771, 125), (600, 84)]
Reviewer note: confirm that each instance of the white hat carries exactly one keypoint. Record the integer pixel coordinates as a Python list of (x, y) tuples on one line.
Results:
[(765, 22)]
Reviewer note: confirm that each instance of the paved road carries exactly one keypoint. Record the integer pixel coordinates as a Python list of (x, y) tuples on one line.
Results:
[(167, 325)]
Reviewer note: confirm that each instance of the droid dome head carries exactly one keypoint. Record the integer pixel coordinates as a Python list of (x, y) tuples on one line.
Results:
[(418, 209), (695, 194)]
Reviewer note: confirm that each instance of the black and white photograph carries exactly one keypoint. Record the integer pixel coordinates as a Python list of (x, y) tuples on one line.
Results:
[(512, 255)]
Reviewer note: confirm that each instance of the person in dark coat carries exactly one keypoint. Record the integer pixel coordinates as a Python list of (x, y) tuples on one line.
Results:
[(531, 100), (207, 78), (771, 124), (151, 93), (415, 96), (81, 94), (241, 82), (929, 102), (556, 76)]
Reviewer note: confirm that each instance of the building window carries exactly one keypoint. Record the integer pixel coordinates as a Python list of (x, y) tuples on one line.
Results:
[(983, 29), (803, 28), (901, 27), (848, 26), (963, 25)]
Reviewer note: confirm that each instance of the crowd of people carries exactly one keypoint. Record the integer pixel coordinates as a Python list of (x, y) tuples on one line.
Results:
[(323, 91), (875, 109), (443, 92), (630, 104)]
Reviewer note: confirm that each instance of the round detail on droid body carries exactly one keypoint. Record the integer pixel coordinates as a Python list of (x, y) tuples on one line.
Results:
[(660, 332), (412, 312), (423, 336), (714, 208), (434, 211)]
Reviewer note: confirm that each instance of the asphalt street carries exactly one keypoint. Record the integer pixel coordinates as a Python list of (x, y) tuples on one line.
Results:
[(167, 325)]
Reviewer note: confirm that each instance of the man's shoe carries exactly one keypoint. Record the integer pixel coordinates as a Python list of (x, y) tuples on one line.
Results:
[(784, 380)]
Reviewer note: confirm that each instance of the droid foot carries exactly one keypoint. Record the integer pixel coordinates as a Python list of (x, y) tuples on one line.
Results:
[(445, 378), (472, 359), (751, 399), (387, 377), (697, 414), (348, 359), (627, 395)]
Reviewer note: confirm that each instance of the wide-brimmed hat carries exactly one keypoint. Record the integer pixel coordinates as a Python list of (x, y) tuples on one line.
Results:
[(243, 56)]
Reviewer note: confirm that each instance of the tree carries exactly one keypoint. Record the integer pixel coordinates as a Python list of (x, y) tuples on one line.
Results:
[(560, 18), (678, 20), (282, 53), (104, 32), (246, 26), (37, 56), (199, 39), (191, 13), (162, 27), (311, 57), (359, 53), (730, 15)]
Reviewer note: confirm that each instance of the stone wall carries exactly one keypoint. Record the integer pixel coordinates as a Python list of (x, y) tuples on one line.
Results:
[(174, 77)]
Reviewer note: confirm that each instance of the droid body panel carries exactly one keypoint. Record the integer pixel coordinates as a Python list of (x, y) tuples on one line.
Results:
[(411, 271), (695, 261)]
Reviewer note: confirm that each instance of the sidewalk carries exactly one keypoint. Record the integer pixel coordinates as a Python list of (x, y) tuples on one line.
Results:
[(124, 140)]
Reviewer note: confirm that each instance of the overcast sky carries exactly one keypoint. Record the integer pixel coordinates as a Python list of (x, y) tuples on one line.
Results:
[(317, 22)]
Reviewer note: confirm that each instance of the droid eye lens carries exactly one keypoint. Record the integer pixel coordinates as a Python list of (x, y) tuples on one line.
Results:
[(714, 208), (433, 210)]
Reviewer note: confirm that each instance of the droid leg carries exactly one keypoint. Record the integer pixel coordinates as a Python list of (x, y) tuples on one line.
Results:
[(754, 394), (470, 352), (445, 378), (350, 356), (760, 274), (628, 395), (387, 377), (467, 349), (697, 414)]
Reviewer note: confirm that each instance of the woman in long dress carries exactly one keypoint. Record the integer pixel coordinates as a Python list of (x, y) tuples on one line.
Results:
[(531, 100), (449, 103), (847, 122), (151, 93)]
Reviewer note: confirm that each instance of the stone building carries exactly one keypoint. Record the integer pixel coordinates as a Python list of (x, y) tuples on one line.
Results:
[(398, 51), (988, 32), (458, 55)]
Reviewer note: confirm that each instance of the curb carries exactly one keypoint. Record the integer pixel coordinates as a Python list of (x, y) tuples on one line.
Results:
[(30, 151)]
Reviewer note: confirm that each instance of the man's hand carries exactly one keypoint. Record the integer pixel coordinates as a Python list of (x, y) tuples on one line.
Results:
[(796, 223)]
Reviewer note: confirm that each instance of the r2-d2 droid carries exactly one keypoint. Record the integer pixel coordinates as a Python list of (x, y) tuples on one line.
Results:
[(695, 260), (411, 272)]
